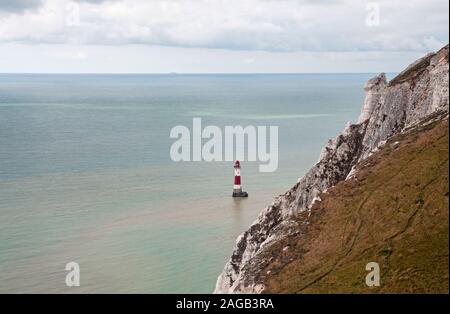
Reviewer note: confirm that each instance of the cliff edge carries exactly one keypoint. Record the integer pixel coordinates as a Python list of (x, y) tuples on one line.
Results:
[(418, 93)]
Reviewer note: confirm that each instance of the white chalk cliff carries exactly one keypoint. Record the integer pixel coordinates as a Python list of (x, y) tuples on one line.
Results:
[(389, 108)]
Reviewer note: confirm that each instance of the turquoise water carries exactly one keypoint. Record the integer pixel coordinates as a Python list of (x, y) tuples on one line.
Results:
[(86, 175)]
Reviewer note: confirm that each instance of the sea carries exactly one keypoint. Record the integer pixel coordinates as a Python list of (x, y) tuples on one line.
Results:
[(86, 174)]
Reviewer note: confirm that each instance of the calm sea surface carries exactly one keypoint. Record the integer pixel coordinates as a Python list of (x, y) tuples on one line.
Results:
[(86, 175)]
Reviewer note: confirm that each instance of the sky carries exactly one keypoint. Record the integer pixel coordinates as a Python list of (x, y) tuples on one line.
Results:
[(218, 36)]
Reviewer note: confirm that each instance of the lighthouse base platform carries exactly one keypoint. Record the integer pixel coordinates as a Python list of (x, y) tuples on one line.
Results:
[(240, 194)]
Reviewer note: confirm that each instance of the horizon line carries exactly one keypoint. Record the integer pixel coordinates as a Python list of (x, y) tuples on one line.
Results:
[(186, 73)]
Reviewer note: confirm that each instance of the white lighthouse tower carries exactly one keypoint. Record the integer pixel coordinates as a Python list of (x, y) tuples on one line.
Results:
[(237, 189)]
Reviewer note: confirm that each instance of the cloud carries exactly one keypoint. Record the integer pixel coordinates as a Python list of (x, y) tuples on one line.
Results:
[(260, 25), (19, 6), (69, 54), (249, 60), (94, 1)]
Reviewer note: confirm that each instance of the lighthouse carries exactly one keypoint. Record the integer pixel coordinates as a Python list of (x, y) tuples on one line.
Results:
[(237, 189)]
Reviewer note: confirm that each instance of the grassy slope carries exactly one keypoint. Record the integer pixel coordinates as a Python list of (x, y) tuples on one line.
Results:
[(395, 213)]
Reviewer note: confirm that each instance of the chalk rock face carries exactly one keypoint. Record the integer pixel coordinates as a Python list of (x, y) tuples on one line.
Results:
[(374, 89), (418, 91), (389, 107)]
